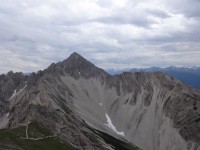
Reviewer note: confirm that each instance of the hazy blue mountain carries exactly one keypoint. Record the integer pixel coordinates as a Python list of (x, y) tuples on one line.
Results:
[(190, 76)]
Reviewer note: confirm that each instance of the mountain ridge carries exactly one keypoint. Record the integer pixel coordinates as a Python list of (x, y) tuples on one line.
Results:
[(67, 102), (190, 76), (77, 66)]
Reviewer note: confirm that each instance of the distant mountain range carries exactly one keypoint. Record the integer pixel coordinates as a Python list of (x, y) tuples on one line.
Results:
[(190, 76)]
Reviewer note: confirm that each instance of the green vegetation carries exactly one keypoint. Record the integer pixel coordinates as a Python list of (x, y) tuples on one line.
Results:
[(35, 131), (15, 139), (41, 138)]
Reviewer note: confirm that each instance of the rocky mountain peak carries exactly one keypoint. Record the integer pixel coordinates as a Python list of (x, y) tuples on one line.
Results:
[(77, 66), (75, 55), (77, 60)]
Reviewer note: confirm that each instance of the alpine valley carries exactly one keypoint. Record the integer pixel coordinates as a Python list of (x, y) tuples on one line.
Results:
[(75, 105)]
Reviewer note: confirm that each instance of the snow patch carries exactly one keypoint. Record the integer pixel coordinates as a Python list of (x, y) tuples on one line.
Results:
[(110, 125), (23, 88), (7, 114), (4, 121), (14, 93)]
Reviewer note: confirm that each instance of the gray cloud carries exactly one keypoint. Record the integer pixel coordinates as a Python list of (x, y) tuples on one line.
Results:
[(111, 34), (157, 13), (189, 8)]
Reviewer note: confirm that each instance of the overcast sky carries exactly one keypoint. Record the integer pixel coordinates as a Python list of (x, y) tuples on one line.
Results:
[(110, 33)]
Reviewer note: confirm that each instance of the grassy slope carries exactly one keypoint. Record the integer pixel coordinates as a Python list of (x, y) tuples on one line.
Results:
[(13, 139)]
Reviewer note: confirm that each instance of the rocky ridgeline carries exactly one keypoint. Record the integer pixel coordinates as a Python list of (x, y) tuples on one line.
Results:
[(151, 110)]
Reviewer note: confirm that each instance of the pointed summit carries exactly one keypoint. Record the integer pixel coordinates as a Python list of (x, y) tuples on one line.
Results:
[(77, 66), (75, 57)]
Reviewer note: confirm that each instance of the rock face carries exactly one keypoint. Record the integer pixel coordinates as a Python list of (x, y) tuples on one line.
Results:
[(76, 66), (10, 84), (151, 110)]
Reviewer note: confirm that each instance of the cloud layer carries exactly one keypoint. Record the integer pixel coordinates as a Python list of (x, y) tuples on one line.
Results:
[(112, 34)]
